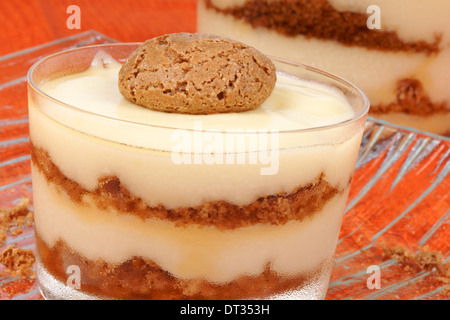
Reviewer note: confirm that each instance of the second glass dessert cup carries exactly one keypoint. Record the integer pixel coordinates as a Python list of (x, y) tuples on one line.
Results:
[(122, 212)]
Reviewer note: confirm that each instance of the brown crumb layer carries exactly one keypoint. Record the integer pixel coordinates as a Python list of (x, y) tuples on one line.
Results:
[(422, 260), (18, 261), (275, 209), (319, 19), (139, 278), (16, 217), (411, 99)]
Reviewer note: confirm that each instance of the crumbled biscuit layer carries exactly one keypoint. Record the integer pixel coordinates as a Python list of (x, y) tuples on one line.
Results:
[(411, 99), (276, 209), (139, 278), (319, 19), (197, 74), (18, 216), (18, 261), (418, 261)]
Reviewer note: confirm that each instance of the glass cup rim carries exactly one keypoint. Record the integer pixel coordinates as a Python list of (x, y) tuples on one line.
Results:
[(355, 118)]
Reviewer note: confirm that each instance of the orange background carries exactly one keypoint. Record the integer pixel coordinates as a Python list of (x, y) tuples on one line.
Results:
[(26, 23)]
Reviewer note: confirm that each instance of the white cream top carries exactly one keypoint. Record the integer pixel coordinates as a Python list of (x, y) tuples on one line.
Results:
[(294, 104), (159, 165)]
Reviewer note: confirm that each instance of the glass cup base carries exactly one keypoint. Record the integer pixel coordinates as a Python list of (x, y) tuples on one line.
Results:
[(52, 289)]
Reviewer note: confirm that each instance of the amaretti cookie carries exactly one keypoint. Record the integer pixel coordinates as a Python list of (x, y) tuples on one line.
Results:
[(197, 74)]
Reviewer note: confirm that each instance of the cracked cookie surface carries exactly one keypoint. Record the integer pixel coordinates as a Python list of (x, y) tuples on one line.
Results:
[(197, 74)]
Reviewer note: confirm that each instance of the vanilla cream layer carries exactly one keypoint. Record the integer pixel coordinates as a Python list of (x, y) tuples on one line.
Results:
[(294, 104), (188, 252), (88, 147), (412, 20), (375, 72)]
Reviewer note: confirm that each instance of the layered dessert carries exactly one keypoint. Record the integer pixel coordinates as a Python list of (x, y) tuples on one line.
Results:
[(398, 52), (115, 197)]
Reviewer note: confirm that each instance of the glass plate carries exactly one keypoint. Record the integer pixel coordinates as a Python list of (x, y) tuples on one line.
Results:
[(399, 200)]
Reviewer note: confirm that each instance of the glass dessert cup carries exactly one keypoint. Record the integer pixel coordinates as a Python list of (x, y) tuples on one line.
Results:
[(119, 216), (403, 65)]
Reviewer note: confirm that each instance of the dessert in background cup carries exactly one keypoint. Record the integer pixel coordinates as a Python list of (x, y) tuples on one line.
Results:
[(403, 67), (133, 203)]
